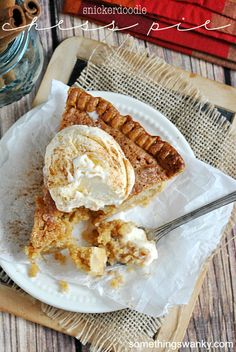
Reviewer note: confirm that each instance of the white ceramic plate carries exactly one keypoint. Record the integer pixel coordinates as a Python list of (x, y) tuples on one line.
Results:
[(79, 298)]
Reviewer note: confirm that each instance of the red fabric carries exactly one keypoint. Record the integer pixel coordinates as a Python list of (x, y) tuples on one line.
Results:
[(72, 6), (214, 46), (214, 5), (182, 13), (214, 34), (223, 7)]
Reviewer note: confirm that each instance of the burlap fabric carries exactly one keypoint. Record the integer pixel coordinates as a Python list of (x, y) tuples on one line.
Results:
[(133, 72)]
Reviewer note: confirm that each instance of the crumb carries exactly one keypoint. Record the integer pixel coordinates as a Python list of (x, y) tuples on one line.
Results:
[(130, 268), (33, 270), (90, 259), (63, 285), (60, 257), (117, 281)]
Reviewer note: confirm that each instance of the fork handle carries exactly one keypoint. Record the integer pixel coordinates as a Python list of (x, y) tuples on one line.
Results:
[(163, 230)]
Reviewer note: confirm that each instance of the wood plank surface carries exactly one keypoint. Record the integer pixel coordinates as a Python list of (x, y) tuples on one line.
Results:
[(214, 315)]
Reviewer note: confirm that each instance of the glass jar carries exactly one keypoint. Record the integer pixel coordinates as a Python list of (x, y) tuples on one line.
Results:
[(20, 66)]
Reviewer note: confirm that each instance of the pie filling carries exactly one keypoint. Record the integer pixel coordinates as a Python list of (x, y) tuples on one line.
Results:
[(99, 163), (123, 242)]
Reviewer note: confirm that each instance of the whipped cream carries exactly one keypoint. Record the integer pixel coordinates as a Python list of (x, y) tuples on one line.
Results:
[(139, 238), (85, 166)]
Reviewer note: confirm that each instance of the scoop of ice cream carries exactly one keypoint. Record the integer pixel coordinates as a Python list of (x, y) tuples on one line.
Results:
[(85, 166), (138, 237)]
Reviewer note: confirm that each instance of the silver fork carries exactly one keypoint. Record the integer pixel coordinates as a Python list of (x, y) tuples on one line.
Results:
[(161, 231)]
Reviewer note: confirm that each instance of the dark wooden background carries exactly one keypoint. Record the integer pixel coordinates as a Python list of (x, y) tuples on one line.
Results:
[(214, 315)]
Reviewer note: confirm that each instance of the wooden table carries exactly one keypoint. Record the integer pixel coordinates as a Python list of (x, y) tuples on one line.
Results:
[(214, 315)]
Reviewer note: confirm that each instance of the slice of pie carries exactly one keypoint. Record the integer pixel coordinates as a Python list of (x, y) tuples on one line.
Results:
[(154, 162)]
